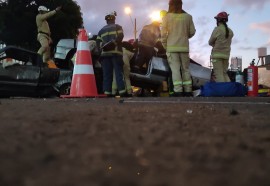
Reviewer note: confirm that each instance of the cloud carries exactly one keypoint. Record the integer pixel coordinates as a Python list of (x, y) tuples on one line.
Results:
[(95, 10), (253, 4), (264, 27), (247, 48), (203, 21)]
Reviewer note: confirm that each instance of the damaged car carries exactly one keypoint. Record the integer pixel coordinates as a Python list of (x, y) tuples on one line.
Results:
[(153, 77), (22, 74)]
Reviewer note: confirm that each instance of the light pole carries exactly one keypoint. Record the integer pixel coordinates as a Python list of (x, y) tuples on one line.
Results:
[(128, 11)]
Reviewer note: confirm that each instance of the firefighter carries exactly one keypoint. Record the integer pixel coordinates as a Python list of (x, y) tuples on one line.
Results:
[(177, 28), (128, 54), (220, 40), (147, 40), (112, 58), (44, 33)]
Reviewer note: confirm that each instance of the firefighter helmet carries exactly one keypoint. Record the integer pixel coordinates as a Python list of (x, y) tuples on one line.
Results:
[(131, 41), (111, 16), (43, 8), (163, 13), (222, 16)]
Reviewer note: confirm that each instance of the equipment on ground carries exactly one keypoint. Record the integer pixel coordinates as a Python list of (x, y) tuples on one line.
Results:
[(239, 77), (252, 79)]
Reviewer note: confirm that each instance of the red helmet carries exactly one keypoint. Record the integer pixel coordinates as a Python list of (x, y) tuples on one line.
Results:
[(222, 16), (131, 41)]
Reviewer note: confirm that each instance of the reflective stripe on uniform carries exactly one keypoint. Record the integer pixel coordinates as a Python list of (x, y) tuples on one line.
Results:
[(219, 55), (175, 83), (83, 69), (99, 38), (111, 33), (187, 83), (122, 91), (177, 49), (106, 92)]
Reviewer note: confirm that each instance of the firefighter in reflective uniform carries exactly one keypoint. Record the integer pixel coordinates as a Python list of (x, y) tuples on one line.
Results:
[(127, 56), (112, 60), (220, 40), (44, 33), (147, 40), (177, 28)]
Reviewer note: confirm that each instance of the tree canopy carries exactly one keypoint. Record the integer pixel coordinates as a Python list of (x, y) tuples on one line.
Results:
[(18, 21)]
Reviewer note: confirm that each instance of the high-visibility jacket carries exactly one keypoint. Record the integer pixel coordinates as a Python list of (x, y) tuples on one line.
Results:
[(149, 35), (42, 24), (108, 33), (176, 31), (221, 45)]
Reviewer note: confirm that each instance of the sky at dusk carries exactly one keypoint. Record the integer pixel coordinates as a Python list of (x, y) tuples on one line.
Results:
[(249, 20)]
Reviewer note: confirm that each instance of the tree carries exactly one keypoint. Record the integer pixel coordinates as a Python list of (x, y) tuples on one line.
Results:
[(18, 21)]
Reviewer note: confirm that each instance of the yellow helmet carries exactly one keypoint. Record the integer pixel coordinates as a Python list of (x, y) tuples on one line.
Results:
[(163, 13)]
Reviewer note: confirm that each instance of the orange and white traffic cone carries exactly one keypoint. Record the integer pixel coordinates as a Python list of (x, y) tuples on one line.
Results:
[(83, 80)]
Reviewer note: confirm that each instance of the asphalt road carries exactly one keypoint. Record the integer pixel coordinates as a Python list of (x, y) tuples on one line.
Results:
[(135, 141)]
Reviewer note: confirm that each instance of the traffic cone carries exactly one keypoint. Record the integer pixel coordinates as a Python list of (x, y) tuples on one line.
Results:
[(83, 80)]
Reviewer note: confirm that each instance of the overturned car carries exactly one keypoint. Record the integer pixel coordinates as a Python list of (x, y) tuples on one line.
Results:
[(22, 74)]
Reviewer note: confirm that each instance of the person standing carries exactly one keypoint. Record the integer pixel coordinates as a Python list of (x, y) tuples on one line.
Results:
[(177, 28), (44, 33), (220, 40), (148, 38), (110, 40), (128, 53)]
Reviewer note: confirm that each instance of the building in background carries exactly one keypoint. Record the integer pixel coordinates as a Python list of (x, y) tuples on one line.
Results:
[(262, 53), (267, 60), (236, 64)]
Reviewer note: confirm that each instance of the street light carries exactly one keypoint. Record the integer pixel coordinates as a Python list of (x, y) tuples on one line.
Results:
[(155, 16), (128, 11)]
